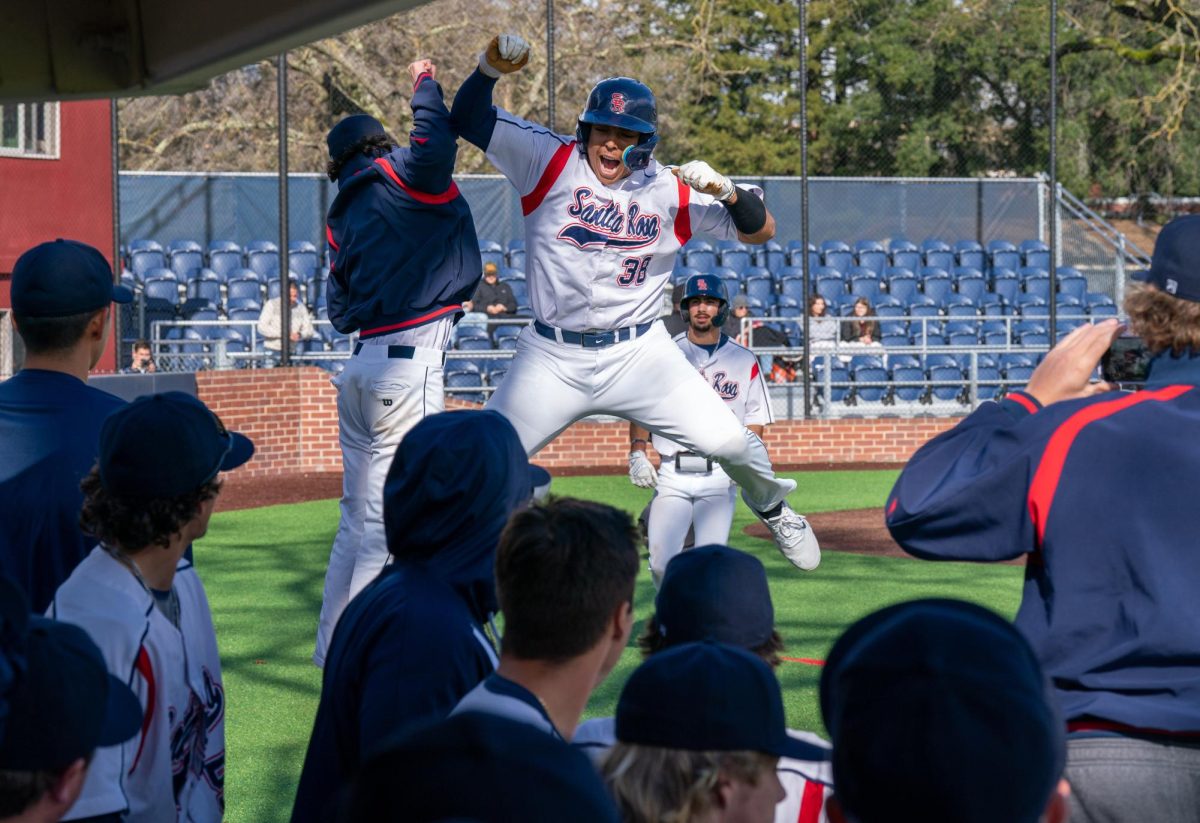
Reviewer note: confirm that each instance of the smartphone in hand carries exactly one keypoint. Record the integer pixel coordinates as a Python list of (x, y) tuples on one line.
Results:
[(1127, 362)]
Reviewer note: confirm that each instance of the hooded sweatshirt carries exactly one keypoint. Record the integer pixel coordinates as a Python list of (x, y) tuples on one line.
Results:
[(413, 643)]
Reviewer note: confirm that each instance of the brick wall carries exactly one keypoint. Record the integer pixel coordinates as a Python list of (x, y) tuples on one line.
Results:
[(291, 415)]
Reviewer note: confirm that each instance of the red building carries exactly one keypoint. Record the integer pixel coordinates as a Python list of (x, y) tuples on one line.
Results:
[(55, 181)]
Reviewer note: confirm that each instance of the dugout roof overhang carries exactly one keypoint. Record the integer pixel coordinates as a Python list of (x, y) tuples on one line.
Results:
[(73, 49)]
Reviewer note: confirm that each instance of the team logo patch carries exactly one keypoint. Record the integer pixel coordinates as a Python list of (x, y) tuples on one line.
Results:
[(599, 223), (617, 104), (702, 284), (727, 389)]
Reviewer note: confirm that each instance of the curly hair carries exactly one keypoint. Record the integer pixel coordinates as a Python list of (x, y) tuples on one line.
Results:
[(135, 524), (657, 785), (1163, 321), (652, 642), (375, 145)]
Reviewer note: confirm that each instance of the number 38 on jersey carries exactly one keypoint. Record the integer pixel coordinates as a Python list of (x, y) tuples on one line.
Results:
[(633, 271)]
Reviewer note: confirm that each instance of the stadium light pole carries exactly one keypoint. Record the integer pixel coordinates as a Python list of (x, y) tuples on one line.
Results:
[(285, 302), (805, 273), (1053, 173)]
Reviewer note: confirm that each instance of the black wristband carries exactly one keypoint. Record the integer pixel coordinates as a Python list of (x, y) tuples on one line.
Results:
[(749, 213)]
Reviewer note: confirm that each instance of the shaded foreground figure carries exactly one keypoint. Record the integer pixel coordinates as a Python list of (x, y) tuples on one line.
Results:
[(418, 638)]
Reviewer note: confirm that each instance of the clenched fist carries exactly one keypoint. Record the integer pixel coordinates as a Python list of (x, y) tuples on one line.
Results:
[(701, 177), (504, 55), (641, 470), (419, 67)]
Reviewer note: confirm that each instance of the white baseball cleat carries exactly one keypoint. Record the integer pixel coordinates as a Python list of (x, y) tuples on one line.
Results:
[(793, 537)]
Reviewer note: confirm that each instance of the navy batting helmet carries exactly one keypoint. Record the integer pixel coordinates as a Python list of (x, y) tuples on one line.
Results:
[(627, 104), (705, 285)]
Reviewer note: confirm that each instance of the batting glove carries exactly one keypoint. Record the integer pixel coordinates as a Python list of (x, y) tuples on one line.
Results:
[(504, 55), (701, 177), (641, 470)]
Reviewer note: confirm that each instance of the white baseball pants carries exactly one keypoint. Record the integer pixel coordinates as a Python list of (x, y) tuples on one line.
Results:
[(682, 500), (647, 380)]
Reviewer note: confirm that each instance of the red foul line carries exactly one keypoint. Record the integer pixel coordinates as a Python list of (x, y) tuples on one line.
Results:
[(806, 660)]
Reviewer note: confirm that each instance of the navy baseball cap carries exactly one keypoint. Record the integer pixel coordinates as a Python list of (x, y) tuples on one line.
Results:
[(61, 278), (1175, 265), (164, 445), (351, 130), (514, 772), (715, 593), (64, 703), (943, 703), (707, 697)]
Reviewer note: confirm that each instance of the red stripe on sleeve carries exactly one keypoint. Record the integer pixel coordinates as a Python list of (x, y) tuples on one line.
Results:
[(553, 169), (892, 506), (329, 236), (754, 371), (683, 220), (146, 670), (811, 803), (420, 196), (1049, 470), (1029, 405), (421, 77)]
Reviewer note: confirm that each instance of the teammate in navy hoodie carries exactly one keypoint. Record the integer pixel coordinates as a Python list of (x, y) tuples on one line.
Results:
[(416, 640), (403, 258), (1098, 490)]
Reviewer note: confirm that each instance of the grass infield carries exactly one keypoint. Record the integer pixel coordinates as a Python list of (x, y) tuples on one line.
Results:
[(264, 570)]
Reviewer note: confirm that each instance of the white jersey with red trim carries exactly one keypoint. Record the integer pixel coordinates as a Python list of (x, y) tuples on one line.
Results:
[(597, 256), (732, 371), (175, 768)]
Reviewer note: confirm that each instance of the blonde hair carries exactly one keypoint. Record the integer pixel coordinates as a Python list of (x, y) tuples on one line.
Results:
[(1163, 321), (657, 785)]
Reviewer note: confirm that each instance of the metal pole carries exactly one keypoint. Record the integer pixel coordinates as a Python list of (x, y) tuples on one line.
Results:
[(803, 4), (550, 64), (1053, 188), (285, 303), (114, 127)]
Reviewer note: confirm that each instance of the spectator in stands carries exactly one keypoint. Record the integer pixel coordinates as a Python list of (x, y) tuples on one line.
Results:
[(141, 359), (270, 322), (59, 704), (739, 309), (1109, 601), (777, 368), (822, 328), (939, 712), (858, 329), (565, 571), (416, 639), (482, 768), (700, 730), (493, 297), (721, 594), (49, 417), (149, 496)]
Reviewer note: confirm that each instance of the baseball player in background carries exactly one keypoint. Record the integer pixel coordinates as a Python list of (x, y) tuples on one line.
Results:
[(403, 258), (690, 489), (603, 222)]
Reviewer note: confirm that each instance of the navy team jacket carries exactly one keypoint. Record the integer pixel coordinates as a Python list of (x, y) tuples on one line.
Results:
[(1101, 497), (401, 238)]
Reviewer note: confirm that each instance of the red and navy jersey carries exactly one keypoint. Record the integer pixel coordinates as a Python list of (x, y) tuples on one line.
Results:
[(1098, 495), (402, 243)]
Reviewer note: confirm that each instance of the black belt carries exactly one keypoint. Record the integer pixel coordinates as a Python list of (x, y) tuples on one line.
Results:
[(684, 464), (398, 352), (591, 339)]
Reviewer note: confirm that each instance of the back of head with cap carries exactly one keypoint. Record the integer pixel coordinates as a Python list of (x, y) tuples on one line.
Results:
[(939, 711), (514, 771)]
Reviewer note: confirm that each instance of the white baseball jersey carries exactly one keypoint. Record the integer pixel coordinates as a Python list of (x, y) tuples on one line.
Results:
[(175, 768), (597, 256), (808, 783), (732, 371)]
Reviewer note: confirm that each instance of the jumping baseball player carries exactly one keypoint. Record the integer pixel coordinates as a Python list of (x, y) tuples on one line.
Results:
[(603, 221), (404, 257), (690, 489), (150, 495)]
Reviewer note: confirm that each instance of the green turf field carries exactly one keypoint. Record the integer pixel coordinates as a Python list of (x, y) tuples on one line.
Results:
[(264, 570)]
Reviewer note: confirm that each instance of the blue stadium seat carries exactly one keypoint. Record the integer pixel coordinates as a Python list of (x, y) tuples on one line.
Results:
[(144, 244), (1034, 339), (1003, 255), (1102, 310), (970, 283), (1032, 305), (1034, 253), (264, 262), (795, 250), (760, 287), (520, 290), (462, 374), (901, 283), (491, 252), (497, 371), (771, 256), (209, 290), (870, 254), (861, 374), (470, 331), (970, 255), (905, 255), (839, 377), (225, 261), (936, 284), (987, 383), (303, 260), (700, 255), (680, 275), (162, 288), (733, 254), (837, 255), (261, 247), (833, 289), (187, 259), (868, 287), (893, 341), (516, 258), (914, 377), (1071, 283), (937, 254), (889, 307), (946, 383), (1006, 285), (144, 260), (506, 332), (732, 280), (240, 289)]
